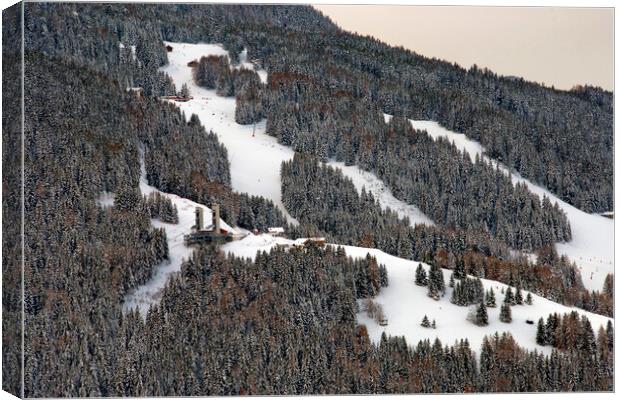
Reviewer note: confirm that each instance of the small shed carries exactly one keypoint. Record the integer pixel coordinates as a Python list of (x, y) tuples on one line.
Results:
[(275, 231)]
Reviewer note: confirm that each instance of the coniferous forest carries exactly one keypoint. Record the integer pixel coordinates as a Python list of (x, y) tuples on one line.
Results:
[(285, 322)]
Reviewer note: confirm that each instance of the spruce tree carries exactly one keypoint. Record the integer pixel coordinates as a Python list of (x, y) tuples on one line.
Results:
[(541, 335), (505, 314), (436, 284), (508, 297), (519, 296), (490, 298), (425, 322), (482, 318), (459, 270), (184, 91), (528, 299), (420, 276)]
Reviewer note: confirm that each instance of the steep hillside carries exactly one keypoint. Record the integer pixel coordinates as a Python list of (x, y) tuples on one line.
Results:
[(559, 139)]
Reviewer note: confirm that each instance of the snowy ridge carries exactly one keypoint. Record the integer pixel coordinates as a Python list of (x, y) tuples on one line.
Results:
[(148, 293), (255, 157), (592, 245), (405, 304)]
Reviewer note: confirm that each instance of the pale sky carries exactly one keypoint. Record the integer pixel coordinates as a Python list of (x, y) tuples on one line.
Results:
[(557, 46)]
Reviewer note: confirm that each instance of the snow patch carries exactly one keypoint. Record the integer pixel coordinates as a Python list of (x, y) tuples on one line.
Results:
[(105, 199)]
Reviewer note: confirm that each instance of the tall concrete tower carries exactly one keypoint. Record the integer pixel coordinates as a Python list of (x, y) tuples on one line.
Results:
[(199, 218), (215, 209)]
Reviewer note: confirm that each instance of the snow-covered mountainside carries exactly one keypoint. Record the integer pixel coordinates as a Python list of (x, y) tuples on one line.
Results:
[(255, 165), (255, 168), (592, 246), (405, 304), (255, 157)]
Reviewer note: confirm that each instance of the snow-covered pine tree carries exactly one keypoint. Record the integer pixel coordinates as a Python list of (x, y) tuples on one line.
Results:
[(528, 299), (541, 334), (518, 296), (420, 276), (490, 298), (482, 318), (436, 284), (509, 297), (505, 315)]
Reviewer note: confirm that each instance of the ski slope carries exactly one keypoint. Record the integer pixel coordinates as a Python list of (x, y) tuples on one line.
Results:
[(150, 292), (255, 165), (255, 157), (592, 245), (405, 303)]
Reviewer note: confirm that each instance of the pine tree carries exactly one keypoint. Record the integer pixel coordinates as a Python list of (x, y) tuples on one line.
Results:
[(459, 270), (434, 325), (505, 314), (184, 91), (490, 298), (436, 284), (425, 322), (451, 283), (420, 276), (528, 299), (508, 297), (482, 318), (519, 296), (383, 276), (608, 285), (541, 335)]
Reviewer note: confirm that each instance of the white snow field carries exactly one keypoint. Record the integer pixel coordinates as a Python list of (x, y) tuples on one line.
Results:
[(405, 303), (592, 245), (145, 295), (254, 156)]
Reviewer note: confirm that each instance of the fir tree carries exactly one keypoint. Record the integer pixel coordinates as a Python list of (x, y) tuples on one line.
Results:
[(459, 270), (508, 297), (482, 318), (505, 314), (184, 91), (425, 322), (518, 296), (436, 284), (420, 276), (528, 299), (541, 335), (490, 298)]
